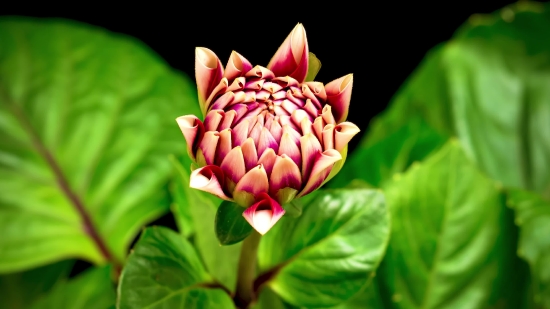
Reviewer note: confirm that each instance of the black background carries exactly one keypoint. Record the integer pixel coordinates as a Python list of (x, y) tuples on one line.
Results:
[(380, 43)]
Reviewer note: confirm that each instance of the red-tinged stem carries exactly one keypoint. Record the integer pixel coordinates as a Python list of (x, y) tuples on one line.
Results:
[(247, 271)]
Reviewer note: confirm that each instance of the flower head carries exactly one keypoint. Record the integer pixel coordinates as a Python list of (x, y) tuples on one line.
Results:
[(268, 136)]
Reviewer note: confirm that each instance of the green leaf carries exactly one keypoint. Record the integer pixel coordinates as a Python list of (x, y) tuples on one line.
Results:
[(164, 271), (200, 208), (324, 257), (314, 65), (453, 239), (87, 124), (231, 227), (19, 290), (533, 219), (92, 289)]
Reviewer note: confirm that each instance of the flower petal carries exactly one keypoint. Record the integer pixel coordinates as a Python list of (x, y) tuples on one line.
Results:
[(266, 141), (260, 72), (310, 151), (208, 146), (224, 145), (236, 66), (250, 154), (210, 179), (213, 119), (321, 169), (193, 130), (208, 73), (339, 95), (250, 186), (328, 137), (233, 167), (285, 174), (268, 160), (292, 56), (289, 147), (343, 134), (263, 214)]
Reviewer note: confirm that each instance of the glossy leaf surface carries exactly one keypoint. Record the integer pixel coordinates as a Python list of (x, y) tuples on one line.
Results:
[(164, 271), (326, 255), (87, 123), (231, 226)]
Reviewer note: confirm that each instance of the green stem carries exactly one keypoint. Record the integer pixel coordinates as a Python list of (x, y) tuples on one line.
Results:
[(247, 270)]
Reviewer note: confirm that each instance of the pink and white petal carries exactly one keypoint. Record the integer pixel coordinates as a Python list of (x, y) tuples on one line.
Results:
[(250, 154), (213, 119), (193, 130), (263, 214), (289, 148), (310, 151), (260, 72), (292, 56), (339, 96), (208, 146), (237, 84), (328, 137), (219, 90), (297, 117), (255, 84), (208, 72), (222, 101), (267, 159), (286, 81), (227, 120), (327, 115), (318, 90), (210, 179), (306, 126), (312, 110), (240, 132), (233, 165), (318, 126), (285, 174), (236, 66), (343, 133), (266, 141), (306, 91), (276, 130), (321, 169), (224, 145), (250, 186)]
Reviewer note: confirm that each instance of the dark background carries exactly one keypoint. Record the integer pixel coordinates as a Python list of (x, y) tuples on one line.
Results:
[(380, 43)]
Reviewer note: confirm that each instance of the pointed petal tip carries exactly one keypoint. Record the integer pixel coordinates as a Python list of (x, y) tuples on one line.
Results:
[(209, 179), (263, 215)]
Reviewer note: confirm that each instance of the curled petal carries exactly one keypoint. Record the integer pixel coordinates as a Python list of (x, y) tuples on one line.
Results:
[(343, 134), (292, 56), (210, 179), (227, 120), (220, 89), (224, 145), (285, 174), (321, 169), (260, 72), (268, 160), (236, 66), (213, 119), (263, 214), (250, 186), (318, 126), (318, 90), (208, 73), (222, 101), (237, 84), (328, 137), (327, 115), (193, 130), (208, 146), (286, 81), (339, 95)]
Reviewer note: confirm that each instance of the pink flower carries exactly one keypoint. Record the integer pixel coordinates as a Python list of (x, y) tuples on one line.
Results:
[(268, 135)]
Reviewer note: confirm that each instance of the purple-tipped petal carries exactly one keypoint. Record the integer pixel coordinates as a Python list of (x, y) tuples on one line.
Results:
[(266, 141), (208, 73), (213, 119), (193, 130), (236, 66), (343, 134), (221, 102), (328, 137), (208, 146), (321, 169), (327, 115), (250, 186), (224, 145), (260, 72), (318, 126), (240, 132), (318, 90), (285, 174), (250, 154), (233, 167), (286, 81), (292, 56), (289, 147), (339, 95), (237, 84), (310, 151), (210, 179), (263, 214), (227, 120), (276, 130), (268, 160)]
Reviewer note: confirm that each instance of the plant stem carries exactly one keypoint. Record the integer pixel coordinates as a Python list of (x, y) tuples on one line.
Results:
[(247, 271)]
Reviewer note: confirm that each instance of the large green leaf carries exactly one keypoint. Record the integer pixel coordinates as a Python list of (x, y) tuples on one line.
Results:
[(533, 219), (325, 256), (231, 226), (453, 241), (198, 208), (19, 290), (92, 289), (164, 271), (87, 124)]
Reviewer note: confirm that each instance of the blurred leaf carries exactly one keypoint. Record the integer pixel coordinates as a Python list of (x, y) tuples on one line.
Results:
[(164, 271), (533, 219), (452, 243), (87, 124), (19, 290), (200, 207), (92, 289), (231, 227), (324, 257), (269, 300), (314, 65)]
